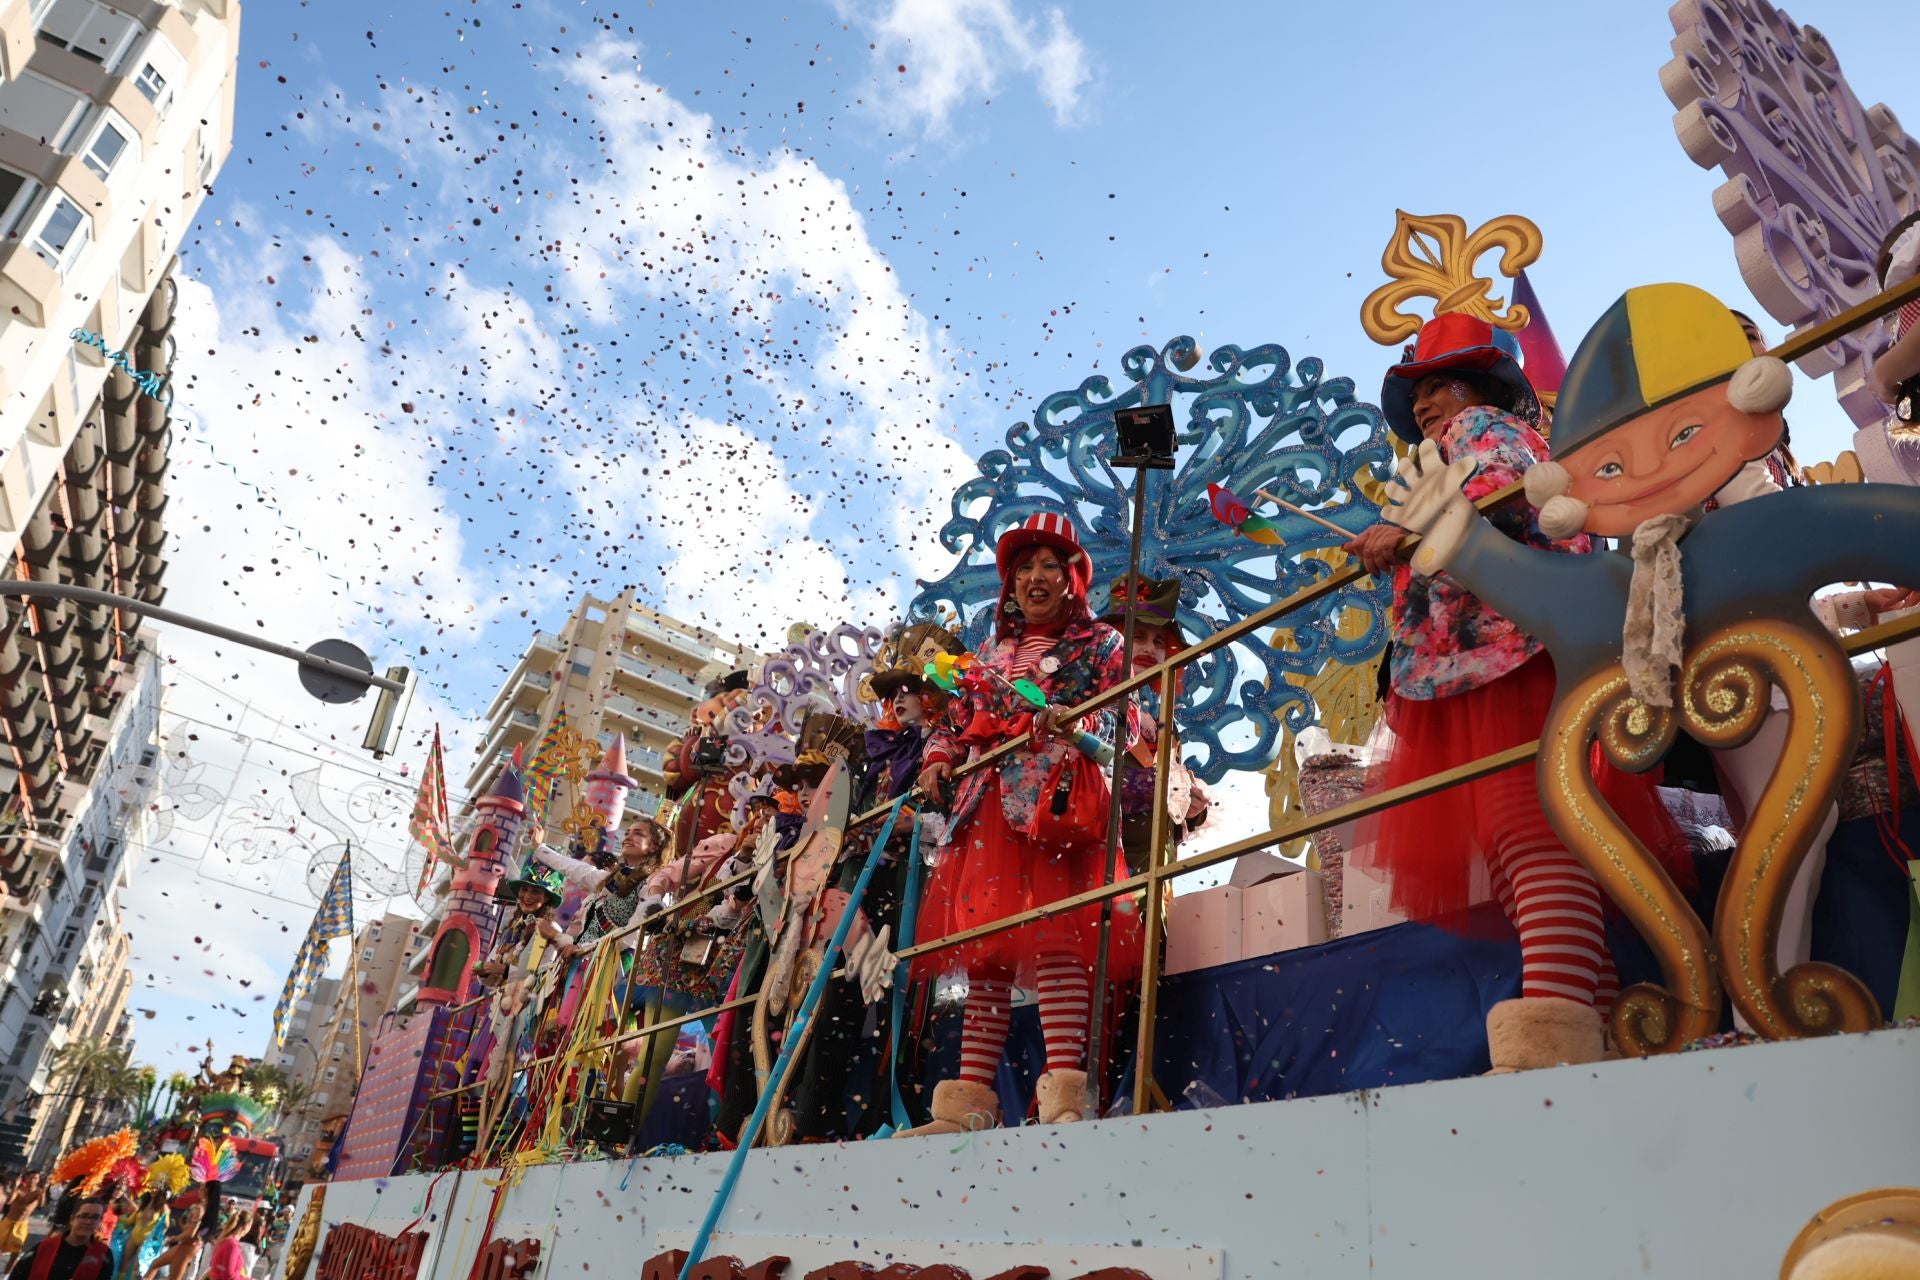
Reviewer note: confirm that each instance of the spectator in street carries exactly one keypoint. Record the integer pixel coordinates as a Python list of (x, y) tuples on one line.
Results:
[(229, 1255), (28, 1193), (76, 1253)]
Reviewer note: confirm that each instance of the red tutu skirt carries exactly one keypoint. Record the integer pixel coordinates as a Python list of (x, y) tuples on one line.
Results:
[(990, 871), (1434, 852)]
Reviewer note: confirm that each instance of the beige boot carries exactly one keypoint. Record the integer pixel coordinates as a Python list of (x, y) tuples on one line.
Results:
[(959, 1106), (1062, 1096), (1541, 1031)]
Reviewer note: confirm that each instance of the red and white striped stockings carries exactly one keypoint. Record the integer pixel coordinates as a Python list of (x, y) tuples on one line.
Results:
[(1066, 997), (1552, 901)]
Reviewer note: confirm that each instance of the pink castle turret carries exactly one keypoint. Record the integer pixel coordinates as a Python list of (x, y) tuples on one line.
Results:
[(466, 930), (607, 787)]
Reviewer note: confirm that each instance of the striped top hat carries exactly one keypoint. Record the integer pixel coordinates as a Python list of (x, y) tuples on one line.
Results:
[(1046, 529)]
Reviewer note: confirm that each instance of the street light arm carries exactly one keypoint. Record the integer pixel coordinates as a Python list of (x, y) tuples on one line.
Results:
[(20, 588)]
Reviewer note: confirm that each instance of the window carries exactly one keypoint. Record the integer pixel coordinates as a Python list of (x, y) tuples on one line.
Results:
[(64, 231), (43, 109), (335, 1054), (109, 144), (16, 196), (152, 86), (366, 955), (329, 1074), (320, 1099), (89, 30)]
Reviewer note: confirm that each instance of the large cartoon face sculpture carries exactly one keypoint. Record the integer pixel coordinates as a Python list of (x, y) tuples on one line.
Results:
[(1663, 403)]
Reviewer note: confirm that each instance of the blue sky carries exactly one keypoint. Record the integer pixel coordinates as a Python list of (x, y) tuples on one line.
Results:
[(494, 304)]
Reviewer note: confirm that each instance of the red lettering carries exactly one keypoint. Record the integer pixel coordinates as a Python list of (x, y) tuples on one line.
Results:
[(938, 1271), (664, 1266), (1023, 1273), (768, 1268)]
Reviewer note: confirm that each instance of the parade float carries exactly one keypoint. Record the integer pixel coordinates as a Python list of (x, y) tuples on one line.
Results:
[(1313, 1101)]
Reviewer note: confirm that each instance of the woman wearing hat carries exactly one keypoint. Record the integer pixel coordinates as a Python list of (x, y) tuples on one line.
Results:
[(910, 706), (1156, 637), (1466, 682), (993, 864)]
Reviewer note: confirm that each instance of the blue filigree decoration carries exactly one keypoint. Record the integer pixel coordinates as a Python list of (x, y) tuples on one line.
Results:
[(1258, 422)]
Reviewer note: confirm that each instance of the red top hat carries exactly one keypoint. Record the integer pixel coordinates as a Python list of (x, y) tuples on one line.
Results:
[(1454, 340)]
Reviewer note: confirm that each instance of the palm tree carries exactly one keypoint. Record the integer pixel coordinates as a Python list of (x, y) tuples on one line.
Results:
[(99, 1075), (293, 1096)]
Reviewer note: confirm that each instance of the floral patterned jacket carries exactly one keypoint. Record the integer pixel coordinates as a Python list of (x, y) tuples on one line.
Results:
[(1445, 641), (1085, 660)]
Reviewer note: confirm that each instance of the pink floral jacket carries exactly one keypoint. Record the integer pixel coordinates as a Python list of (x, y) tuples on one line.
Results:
[(1085, 660), (1445, 641)]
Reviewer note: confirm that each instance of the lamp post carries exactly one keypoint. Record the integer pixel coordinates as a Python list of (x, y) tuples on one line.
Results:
[(1145, 440)]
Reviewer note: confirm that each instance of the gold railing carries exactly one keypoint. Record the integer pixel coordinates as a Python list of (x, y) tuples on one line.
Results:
[(1161, 869)]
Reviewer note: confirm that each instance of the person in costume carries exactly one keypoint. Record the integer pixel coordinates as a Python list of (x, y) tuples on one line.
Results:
[(182, 1252), (682, 967), (1466, 681), (616, 895), (76, 1252), (1027, 831), (1664, 403), (1156, 637), (141, 1235), (28, 1194), (512, 970), (742, 1053), (698, 760), (911, 706)]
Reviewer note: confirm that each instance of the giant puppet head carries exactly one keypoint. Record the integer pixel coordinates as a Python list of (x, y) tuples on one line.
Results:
[(1663, 403)]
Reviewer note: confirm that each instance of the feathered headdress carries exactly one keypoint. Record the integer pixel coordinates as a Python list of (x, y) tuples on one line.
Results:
[(169, 1172), (90, 1163), (127, 1176), (212, 1163)]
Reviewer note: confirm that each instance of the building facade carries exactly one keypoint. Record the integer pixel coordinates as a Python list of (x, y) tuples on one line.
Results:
[(614, 666), (330, 1051), (63, 943)]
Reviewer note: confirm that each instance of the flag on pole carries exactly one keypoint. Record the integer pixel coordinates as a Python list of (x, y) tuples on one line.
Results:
[(546, 764), (429, 823), (333, 920)]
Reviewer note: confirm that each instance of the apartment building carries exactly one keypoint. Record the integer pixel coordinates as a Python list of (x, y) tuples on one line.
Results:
[(63, 942), (340, 1032), (114, 117), (615, 666)]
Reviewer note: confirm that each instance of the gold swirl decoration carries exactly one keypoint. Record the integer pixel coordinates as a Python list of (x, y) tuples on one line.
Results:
[(1647, 1018), (1433, 257), (1873, 1234), (1724, 699), (305, 1236)]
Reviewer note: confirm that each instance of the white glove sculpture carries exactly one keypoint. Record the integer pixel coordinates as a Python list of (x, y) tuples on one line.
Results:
[(1432, 505), (870, 964)]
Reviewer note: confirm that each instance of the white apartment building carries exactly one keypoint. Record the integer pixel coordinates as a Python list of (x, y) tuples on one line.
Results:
[(115, 116)]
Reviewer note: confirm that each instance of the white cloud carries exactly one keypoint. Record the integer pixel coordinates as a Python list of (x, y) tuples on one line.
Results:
[(931, 55)]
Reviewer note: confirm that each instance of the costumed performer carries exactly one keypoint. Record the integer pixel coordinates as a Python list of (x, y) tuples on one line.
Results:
[(616, 895), (683, 967), (1663, 404), (513, 967), (141, 1235), (699, 759), (1028, 831), (737, 1060), (911, 706), (1157, 636), (22, 1203), (1465, 682)]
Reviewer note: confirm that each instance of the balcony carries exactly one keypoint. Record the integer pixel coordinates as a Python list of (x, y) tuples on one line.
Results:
[(678, 641), (545, 640), (661, 677), (632, 712), (642, 760)]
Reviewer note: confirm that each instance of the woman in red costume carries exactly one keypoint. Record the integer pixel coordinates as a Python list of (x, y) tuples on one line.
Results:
[(1466, 683), (992, 865)]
